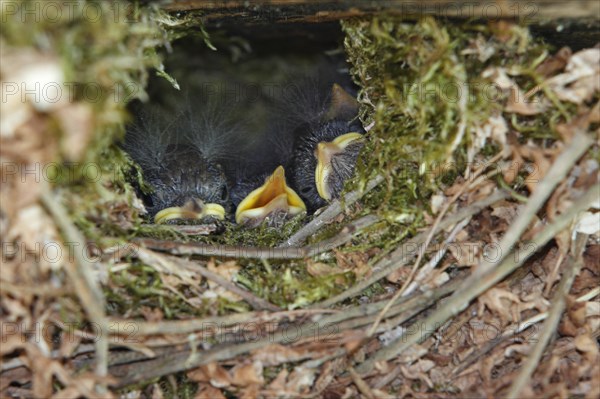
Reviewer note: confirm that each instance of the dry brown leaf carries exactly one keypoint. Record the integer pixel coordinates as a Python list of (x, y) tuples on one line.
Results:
[(436, 203), (480, 47), (498, 301), (278, 384), (581, 79), (152, 314), (276, 354), (211, 373), (465, 253), (554, 63), (206, 391), (245, 374), (326, 375), (539, 168), (300, 380), (77, 123), (519, 104), (227, 270), (481, 191), (584, 343), (249, 392), (357, 262), (494, 128), (36, 233), (317, 269), (157, 392), (505, 210)]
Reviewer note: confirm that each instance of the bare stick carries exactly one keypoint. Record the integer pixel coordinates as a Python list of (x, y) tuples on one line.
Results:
[(330, 213), (144, 328), (470, 289), (233, 251), (80, 273), (190, 230), (549, 327), (401, 255), (152, 258), (362, 386)]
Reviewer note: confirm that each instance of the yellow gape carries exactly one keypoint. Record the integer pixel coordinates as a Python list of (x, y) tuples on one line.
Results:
[(192, 210), (274, 195), (324, 153)]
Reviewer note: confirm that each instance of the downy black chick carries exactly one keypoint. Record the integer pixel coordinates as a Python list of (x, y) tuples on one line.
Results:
[(328, 139), (312, 136), (181, 158)]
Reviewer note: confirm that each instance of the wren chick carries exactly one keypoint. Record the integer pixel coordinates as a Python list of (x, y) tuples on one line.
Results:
[(181, 159)]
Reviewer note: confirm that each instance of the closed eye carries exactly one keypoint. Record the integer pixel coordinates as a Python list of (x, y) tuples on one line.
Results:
[(224, 194)]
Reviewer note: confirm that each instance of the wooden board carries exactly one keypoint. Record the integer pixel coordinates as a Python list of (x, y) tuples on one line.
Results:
[(285, 11)]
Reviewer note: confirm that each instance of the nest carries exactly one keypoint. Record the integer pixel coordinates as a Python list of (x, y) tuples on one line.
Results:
[(462, 259)]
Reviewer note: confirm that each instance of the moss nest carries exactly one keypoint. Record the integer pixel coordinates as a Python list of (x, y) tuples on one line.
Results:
[(444, 103)]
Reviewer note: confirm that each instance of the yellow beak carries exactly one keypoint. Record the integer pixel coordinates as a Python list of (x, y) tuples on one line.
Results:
[(274, 195), (192, 210), (325, 152)]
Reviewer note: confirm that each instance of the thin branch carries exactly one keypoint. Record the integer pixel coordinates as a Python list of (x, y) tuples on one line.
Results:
[(557, 172), (471, 287), (153, 258), (80, 272), (362, 386), (401, 255), (190, 230), (590, 295), (144, 328), (329, 213), (549, 327), (233, 251), (399, 292)]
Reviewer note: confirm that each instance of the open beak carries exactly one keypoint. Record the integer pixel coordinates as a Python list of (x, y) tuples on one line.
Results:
[(192, 210), (273, 196), (324, 153)]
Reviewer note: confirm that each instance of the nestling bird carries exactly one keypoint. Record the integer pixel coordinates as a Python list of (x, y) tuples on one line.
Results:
[(327, 146), (181, 158), (199, 164), (261, 193), (313, 135)]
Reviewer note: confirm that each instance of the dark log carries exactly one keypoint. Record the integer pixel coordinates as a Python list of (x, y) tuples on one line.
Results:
[(286, 11), (575, 23)]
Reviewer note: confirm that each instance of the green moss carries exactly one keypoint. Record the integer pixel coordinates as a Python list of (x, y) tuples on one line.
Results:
[(261, 236), (412, 75), (421, 82), (288, 283), (141, 286), (176, 386)]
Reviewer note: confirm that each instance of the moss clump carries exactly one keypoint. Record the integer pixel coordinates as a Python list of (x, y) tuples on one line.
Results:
[(289, 284), (423, 88), (105, 51)]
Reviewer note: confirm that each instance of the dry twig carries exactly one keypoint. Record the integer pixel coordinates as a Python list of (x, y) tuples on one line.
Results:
[(234, 251), (470, 289), (152, 258), (401, 255), (330, 213), (84, 283), (556, 309)]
